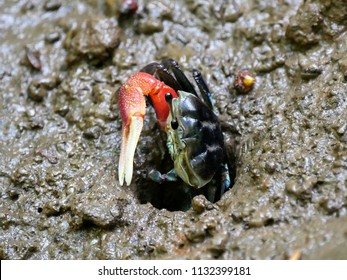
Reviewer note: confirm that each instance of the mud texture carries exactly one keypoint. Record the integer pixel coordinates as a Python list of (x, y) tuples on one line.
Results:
[(61, 64)]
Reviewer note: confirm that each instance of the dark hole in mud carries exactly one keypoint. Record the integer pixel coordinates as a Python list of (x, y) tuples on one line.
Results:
[(39, 209), (269, 222), (173, 196), (176, 196)]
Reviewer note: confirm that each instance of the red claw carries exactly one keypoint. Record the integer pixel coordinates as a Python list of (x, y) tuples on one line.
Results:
[(133, 107)]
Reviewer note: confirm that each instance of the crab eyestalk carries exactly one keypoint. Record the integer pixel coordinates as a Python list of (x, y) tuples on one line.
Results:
[(132, 105)]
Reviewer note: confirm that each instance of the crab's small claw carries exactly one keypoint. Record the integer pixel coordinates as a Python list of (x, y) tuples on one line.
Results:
[(133, 107)]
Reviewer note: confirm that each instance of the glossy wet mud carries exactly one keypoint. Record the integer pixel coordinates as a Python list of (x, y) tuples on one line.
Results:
[(60, 129)]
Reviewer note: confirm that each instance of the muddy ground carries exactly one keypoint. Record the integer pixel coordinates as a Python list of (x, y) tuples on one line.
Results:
[(60, 130)]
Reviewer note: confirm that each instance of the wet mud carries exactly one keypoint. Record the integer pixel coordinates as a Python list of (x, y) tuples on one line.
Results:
[(60, 130)]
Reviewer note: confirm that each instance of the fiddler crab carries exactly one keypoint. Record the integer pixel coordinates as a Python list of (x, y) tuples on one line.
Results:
[(194, 136)]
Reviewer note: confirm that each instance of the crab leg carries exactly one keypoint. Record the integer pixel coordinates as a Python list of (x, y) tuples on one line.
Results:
[(133, 107)]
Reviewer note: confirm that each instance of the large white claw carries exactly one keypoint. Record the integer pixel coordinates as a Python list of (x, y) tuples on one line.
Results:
[(130, 138)]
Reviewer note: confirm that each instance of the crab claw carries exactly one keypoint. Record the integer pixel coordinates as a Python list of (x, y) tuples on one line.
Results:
[(132, 105), (131, 130)]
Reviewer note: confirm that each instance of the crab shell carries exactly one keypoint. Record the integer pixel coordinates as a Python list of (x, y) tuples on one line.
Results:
[(197, 145)]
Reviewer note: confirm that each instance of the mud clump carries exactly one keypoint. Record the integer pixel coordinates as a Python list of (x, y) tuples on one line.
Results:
[(94, 40), (60, 131), (304, 28)]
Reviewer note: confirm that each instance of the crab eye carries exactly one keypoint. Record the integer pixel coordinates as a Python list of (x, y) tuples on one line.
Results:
[(174, 124), (168, 97)]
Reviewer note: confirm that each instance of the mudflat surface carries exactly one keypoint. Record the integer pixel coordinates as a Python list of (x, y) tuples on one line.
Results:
[(60, 130)]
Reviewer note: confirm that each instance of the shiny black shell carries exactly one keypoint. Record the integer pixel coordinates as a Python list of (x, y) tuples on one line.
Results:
[(202, 135)]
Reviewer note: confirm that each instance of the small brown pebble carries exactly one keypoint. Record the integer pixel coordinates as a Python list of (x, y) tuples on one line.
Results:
[(36, 91), (33, 57), (200, 204), (52, 37), (52, 5), (244, 81), (129, 7)]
